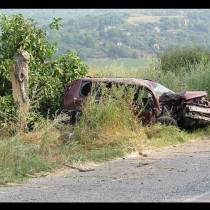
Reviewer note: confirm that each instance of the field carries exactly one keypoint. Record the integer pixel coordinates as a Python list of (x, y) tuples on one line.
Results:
[(141, 18), (123, 62)]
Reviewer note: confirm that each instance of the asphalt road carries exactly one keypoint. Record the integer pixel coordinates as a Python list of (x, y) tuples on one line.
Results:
[(175, 174)]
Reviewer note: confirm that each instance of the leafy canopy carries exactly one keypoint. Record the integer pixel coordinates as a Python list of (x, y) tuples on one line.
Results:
[(48, 77)]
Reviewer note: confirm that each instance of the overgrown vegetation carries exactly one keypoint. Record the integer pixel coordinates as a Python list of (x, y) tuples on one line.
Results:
[(106, 130), (93, 129), (183, 59), (48, 77)]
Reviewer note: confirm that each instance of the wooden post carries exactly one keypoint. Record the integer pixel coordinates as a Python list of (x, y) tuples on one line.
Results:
[(20, 84), (20, 80)]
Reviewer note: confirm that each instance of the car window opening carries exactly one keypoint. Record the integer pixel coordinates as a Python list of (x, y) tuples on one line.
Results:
[(143, 99), (85, 89)]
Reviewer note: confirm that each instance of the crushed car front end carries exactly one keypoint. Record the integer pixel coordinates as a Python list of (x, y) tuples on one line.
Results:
[(190, 109)]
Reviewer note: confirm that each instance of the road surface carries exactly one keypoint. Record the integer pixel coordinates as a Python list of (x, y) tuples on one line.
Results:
[(174, 174)]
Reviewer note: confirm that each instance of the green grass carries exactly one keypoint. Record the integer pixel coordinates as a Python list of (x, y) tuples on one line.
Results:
[(160, 136), (19, 161), (122, 62)]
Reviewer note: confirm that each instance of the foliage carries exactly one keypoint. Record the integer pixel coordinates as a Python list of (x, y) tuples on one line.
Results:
[(51, 83), (19, 32), (56, 23), (181, 59), (48, 77), (8, 111)]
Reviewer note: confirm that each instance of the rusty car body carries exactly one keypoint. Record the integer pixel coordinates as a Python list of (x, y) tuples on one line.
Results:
[(187, 110)]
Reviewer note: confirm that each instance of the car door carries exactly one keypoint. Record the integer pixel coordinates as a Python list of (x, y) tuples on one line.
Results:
[(144, 105)]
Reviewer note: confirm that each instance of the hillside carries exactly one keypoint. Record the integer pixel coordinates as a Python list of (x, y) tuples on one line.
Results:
[(124, 33)]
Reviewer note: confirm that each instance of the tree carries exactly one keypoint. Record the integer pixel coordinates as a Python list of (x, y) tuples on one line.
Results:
[(17, 33), (48, 77)]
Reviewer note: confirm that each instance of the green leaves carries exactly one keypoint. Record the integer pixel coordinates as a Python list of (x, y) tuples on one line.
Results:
[(56, 23), (180, 59), (18, 31), (48, 78)]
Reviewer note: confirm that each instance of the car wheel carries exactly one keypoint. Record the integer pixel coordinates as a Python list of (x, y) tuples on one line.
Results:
[(166, 120)]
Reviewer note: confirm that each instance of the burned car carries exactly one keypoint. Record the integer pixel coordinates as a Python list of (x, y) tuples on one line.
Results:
[(187, 110)]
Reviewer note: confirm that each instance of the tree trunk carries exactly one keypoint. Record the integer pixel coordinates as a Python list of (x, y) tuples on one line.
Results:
[(20, 80), (20, 85)]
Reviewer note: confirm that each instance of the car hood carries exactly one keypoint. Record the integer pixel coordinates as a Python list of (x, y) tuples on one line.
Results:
[(185, 95), (193, 94)]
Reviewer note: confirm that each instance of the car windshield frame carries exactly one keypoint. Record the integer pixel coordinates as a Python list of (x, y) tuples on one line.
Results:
[(160, 90)]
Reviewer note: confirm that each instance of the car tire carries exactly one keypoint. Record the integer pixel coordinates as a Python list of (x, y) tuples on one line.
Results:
[(166, 120)]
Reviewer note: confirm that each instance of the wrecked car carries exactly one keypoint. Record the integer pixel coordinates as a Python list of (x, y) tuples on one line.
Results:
[(187, 110)]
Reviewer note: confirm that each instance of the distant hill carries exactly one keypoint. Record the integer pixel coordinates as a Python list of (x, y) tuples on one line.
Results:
[(45, 16), (124, 33)]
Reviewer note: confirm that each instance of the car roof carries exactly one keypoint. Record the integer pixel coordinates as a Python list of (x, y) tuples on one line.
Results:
[(128, 80)]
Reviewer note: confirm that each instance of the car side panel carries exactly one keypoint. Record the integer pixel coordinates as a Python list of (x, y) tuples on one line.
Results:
[(72, 98)]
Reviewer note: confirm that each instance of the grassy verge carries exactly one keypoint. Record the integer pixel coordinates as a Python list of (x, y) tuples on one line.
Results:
[(35, 154), (105, 131)]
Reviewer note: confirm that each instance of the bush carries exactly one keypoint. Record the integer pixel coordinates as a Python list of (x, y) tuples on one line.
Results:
[(178, 59), (108, 123)]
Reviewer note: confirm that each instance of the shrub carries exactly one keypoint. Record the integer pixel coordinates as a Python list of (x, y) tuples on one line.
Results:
[(176, 60)]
